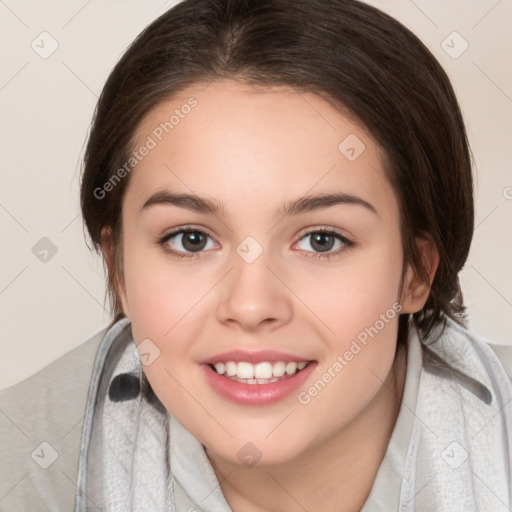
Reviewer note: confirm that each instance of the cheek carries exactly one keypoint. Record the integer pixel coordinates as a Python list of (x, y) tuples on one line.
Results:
[(166, 308), (161, 294), (170, 305), (359, 310), (354, 296)]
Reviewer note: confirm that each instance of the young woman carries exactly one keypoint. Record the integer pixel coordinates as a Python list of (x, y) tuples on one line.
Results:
[(282, 192)]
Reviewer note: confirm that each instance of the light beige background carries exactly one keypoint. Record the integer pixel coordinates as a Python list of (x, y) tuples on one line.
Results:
[(47, 308)]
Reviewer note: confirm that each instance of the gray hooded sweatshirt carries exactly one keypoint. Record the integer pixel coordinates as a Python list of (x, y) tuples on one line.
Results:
[(61, 447)]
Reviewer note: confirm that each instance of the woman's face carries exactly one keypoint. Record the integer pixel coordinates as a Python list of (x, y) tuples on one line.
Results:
[(254, 286)]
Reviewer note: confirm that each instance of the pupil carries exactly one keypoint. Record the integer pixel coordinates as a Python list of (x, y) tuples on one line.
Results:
[(193, 241), (322, 242)]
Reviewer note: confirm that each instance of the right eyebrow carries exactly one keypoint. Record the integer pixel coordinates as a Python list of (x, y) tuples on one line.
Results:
[(190, 202)]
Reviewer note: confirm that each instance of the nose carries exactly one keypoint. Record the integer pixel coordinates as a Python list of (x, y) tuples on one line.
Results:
[(254, 297)]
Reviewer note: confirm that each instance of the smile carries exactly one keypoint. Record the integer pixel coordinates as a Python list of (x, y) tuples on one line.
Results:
[(264, 372), (260, 384)]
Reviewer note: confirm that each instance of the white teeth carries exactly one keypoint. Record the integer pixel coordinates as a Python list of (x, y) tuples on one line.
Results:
[(256, 381), (260, 373), (245, 370), (263, 371), (220, 368), (291, 368), (265, 381), (278, 369), (231, 368)]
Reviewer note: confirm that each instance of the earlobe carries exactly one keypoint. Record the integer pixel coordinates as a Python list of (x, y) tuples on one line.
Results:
[(415, 291)]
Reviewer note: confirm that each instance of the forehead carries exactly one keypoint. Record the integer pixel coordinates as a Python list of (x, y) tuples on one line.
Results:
[(251, 146)]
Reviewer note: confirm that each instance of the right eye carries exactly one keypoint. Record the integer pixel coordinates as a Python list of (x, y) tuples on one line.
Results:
[(185, 242)]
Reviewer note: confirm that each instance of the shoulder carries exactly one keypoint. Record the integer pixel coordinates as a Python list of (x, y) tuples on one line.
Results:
[(459, 442), (466, 378), (497, 356), (40, 420), (472, 354), (461, 424), (54, 381), (504, 354)]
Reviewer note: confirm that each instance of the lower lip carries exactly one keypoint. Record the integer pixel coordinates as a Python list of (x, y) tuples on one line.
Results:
[(256, 394)]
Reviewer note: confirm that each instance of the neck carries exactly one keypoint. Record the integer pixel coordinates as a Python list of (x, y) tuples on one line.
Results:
[(316, 480)]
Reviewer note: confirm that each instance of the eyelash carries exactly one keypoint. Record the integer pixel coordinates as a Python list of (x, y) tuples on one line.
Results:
[(347, 243)]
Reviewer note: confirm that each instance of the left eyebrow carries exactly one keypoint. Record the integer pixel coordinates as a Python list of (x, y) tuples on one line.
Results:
[(321, 201), (295, 207)]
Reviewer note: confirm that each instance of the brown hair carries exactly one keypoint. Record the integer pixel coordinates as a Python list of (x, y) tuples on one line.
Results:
[(359, 59)]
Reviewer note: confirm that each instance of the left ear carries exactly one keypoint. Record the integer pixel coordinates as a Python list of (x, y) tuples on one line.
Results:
[(415, 290)]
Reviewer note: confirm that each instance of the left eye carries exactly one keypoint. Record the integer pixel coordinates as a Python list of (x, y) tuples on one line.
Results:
[(322, 241)]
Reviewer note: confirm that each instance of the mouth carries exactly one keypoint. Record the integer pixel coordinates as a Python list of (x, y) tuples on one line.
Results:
[(265, 372), (262, 383)]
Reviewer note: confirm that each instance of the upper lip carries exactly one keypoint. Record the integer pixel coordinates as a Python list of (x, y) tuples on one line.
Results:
[(254, 357)]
